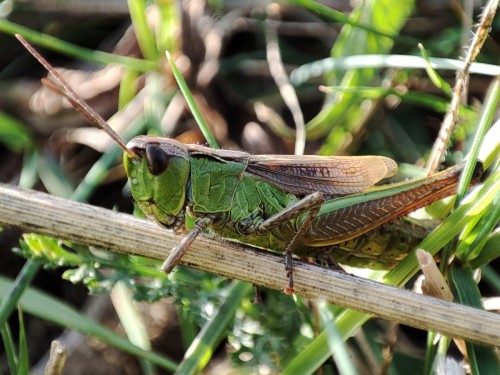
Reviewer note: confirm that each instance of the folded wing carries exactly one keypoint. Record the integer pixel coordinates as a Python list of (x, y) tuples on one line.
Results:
[(332, 176)]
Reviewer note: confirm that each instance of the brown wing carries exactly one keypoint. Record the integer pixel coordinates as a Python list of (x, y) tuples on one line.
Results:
[(331, 175)]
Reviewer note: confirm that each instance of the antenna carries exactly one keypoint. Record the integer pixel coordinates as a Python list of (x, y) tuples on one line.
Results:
[(65, 90)]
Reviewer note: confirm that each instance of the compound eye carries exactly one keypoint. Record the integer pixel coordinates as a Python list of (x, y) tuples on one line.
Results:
[(156, 159)]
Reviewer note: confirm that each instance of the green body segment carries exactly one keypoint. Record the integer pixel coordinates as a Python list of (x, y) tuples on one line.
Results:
[(214, 184)]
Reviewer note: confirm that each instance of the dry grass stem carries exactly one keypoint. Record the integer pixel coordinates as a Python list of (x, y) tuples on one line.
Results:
[(45, 214)]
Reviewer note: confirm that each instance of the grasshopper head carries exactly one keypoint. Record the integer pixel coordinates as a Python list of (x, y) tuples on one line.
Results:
[(159, 174)]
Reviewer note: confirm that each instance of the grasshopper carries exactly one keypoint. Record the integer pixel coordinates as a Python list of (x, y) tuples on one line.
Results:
[(282, 203)]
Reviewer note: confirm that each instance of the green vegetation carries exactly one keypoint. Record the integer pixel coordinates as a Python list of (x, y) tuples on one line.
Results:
[(379, 97)]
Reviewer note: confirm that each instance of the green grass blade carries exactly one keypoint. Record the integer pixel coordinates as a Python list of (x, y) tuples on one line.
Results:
[(132, 322), (14, 135), (438, 81), (191, 103), (490, 149), (489, 110), (489, 252), (431, 353), (187, 327), (128, 89), (17, 289), (145, 37), (29, 175), (202, 348), (167, 36), (485, 121), (53, 177), (474, 237), (9, 348), (23, 365), (337, 16), (482, 359), (69, 49), (335, 341), (316, 353)]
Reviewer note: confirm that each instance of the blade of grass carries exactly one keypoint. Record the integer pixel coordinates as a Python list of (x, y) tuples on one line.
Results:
[(168, 36), (53, 177), (191, 103), (145, 37), (431, 353), (486, 119), (202, 348), (482, 359), (128, 89), (490, 149), (9, 348), (14, 135), (132, 322), (380, 61), (23, 364), (187, 326), (471, 243), (69, 49), (338, 16), (29, 176), (438, 81), (335, 341), (316, 353), (14, 294), (490, 251)]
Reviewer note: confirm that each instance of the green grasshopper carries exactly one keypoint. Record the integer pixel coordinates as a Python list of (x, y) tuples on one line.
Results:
[(276, 202)]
